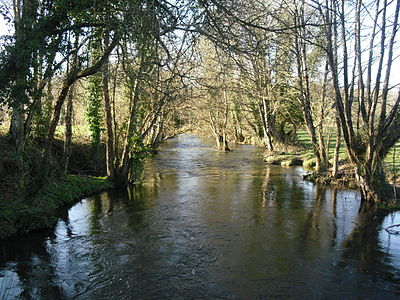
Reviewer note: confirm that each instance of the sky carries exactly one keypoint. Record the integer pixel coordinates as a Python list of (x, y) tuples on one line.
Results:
[(395, 74), (4, 4)]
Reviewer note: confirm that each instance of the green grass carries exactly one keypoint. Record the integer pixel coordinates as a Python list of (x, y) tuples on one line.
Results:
[(392, 160), (20, 212), (81, 133), (20, 215), (304, 139)]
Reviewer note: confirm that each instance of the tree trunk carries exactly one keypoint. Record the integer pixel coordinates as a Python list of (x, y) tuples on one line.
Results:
[(53, 125), (123, 171), (70, 79), (24, 17), (157, 130), (110, 154), (373, 184), (267, 130), (335, 168), (122, 176), (367, 147), (217, 131), (17, 127), (225, 146), (68, 131)]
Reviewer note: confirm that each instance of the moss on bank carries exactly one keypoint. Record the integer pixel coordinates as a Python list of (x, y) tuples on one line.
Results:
[(20, 212), (21, 215)]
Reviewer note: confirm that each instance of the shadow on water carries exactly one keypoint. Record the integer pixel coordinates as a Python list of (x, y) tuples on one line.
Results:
[(209, 225), (368, 248)]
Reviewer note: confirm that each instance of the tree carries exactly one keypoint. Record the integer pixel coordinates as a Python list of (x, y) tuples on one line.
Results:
[(94, 105), (110, 143), (369, 117), (150, 60), (21, 58), (248, 32), (215, 80), (303, 35)]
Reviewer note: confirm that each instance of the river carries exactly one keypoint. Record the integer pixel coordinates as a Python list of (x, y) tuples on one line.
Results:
[(209, 225)]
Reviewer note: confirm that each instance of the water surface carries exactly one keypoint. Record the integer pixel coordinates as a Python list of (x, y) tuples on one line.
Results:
[(209, 225)]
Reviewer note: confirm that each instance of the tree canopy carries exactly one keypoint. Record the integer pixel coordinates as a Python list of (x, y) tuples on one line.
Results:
[(244, 71)]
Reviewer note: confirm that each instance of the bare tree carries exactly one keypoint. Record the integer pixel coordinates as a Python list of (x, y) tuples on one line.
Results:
[(369, 117), (302, 44)]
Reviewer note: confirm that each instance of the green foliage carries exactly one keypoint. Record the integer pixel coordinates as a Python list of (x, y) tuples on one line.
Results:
[(31, 50), (94, 108), (290, 111), (139, 153), (21, 212), (17, 169), (42, 117)]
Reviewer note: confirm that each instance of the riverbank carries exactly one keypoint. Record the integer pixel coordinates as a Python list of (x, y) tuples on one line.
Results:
[(20, 211), (19, 214), (344, 179)]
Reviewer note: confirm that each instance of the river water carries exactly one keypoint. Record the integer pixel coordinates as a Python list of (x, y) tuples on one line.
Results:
[(209, 225)]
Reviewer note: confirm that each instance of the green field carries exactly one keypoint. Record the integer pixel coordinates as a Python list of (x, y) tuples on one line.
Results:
[(392, 160)]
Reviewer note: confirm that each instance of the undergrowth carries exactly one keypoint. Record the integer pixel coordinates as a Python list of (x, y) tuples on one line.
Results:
[(21, 212), (21, 215)]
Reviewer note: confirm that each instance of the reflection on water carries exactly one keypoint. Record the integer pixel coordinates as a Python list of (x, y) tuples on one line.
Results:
[(209, 225)]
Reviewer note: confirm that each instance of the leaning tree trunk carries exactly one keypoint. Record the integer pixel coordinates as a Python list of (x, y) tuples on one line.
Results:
[(110, 153), (70, 79), (68, 131)]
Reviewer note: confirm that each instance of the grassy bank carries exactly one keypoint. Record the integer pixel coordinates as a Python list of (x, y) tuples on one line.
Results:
[(21, 212), (21, 215), (302, 155)]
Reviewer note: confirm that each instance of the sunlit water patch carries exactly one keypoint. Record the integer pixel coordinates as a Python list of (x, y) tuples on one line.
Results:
[(209, 225)]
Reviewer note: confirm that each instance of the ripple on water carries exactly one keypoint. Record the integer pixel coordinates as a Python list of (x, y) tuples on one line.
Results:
[(209, 225)]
